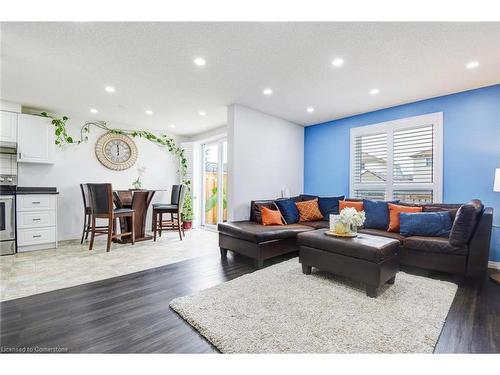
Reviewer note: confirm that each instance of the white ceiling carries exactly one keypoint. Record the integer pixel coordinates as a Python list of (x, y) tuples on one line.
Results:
[(63, 67)]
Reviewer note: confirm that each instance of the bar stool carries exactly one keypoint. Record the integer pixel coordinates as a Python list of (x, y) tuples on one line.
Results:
[(175, 211), (101, 204)]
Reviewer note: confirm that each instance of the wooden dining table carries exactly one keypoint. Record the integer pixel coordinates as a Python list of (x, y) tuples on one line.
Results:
[(138, 200)]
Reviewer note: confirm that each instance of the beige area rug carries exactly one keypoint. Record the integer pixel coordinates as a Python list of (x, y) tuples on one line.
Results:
[(71, 264), (281, 310)]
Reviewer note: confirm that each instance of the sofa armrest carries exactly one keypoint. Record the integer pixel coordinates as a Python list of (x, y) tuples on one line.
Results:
[(479, 246)]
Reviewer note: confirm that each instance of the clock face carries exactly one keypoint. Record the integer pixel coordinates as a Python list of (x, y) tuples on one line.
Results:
[(116, 151)]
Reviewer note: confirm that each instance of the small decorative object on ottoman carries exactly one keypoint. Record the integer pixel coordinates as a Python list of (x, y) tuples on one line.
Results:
[(346, 224), (370, 259)]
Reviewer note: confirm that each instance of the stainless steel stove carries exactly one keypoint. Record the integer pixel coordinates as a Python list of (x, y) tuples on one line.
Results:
[(8, 185)]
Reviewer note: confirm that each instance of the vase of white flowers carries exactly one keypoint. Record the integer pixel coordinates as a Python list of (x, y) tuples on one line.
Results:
[(137, 184), (348, 222)]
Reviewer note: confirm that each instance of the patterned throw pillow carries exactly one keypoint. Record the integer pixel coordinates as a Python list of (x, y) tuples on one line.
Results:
[(309, 210)]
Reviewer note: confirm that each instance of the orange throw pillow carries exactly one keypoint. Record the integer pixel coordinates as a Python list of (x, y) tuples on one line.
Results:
[(309, 210), (394, 210), (270, 217), (357, 205)]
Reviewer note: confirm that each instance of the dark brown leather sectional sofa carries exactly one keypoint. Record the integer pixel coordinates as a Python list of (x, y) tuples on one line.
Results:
[(469, 258)]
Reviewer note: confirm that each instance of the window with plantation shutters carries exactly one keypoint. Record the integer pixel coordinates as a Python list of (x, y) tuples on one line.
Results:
[(400, 159)]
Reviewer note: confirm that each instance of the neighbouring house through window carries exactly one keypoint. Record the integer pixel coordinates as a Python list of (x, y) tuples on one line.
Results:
[(399, 159)]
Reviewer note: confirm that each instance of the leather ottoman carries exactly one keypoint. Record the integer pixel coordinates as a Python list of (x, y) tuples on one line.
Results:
[(370, 259)]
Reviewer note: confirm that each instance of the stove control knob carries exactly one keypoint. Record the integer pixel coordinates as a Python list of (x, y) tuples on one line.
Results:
[(2, 179), (9, 179)]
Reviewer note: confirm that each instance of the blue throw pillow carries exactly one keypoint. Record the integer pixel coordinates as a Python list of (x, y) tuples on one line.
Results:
[(288, 209), (377, 214), (329, 205), (428, 224)]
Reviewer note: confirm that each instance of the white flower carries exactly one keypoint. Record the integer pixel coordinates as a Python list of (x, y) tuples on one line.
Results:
[(349, 216)]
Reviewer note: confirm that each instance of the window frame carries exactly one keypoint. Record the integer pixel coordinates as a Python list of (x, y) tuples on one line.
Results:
[(389, 127)]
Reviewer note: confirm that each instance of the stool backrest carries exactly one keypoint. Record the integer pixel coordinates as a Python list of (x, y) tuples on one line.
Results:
[(85, 196), (101, 198), (174, 197)]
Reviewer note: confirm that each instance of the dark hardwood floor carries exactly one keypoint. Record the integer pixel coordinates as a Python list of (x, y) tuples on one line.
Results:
[(131, 313)]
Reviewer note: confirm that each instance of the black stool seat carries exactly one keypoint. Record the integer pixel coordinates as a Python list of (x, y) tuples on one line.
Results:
[(123, 210), (160, 206)]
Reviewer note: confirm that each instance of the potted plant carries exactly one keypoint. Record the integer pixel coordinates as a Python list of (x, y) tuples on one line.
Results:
[(187, 212)]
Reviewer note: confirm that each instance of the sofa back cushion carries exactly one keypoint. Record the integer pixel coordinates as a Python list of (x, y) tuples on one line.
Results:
[(394, 210), (465, 222), (255, 206), (306, 197), (451, 210), (309, 210), (288, 209), (377, 214), (427, 224)]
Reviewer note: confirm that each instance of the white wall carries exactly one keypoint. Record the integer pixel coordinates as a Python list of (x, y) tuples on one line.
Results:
[(77, 164), (265, 155)]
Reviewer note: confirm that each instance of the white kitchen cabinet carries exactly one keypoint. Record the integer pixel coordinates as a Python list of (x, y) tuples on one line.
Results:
[(36, 222), (35, 139), (8, 127)]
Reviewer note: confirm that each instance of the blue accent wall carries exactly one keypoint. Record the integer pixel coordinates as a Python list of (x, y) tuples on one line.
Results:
[(471, 127)]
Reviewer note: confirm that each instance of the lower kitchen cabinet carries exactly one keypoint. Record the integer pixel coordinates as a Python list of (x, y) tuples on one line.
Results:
[(36, 222)]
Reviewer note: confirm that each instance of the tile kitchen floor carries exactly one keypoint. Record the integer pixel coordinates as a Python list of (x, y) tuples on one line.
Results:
[(71, 264)]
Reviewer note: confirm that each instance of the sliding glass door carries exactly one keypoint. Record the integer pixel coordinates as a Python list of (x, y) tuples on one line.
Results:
[(214, 169)]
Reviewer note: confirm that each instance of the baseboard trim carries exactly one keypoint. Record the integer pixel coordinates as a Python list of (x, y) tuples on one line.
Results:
[(494, 265)]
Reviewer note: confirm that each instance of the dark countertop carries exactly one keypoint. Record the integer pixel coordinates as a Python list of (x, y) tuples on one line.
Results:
[(21, 190)]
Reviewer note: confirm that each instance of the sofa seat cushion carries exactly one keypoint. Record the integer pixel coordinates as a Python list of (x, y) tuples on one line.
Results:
[(382, 233), (257, 233), (438, 245), (320, 224)]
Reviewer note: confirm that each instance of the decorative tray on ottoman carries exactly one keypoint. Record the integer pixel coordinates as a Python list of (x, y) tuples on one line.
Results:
[(345, 235)]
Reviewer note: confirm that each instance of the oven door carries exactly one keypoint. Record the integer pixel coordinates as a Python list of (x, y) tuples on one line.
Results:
[(7, 218)]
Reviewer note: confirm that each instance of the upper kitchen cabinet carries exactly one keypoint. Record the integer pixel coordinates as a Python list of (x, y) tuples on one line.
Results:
[(35, 139), (8, 127)]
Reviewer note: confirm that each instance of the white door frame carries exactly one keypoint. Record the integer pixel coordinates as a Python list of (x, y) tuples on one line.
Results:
[(220, 179)]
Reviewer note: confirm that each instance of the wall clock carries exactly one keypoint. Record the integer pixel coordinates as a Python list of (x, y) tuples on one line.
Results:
[(116, 151)]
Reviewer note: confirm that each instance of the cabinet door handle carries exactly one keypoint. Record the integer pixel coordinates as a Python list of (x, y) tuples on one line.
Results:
[(37, 236), (35, 202), (37, 219)]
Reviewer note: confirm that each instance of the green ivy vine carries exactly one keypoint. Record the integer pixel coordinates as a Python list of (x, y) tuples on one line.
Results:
[(63, 138)]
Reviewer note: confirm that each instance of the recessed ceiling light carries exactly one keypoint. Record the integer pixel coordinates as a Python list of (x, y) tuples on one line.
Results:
[(202, 113), (472, 64), (93, 110), (310, 109), (200, 61), (172, 126), (374, 91), (109, 89), (338, 62), (267, 91), (149, 112)]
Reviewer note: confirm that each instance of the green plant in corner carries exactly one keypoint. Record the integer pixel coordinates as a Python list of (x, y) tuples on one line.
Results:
[(187, 211), (63, 138)]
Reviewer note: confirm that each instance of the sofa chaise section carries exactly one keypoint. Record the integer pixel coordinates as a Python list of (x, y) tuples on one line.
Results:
[(257, 241)]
